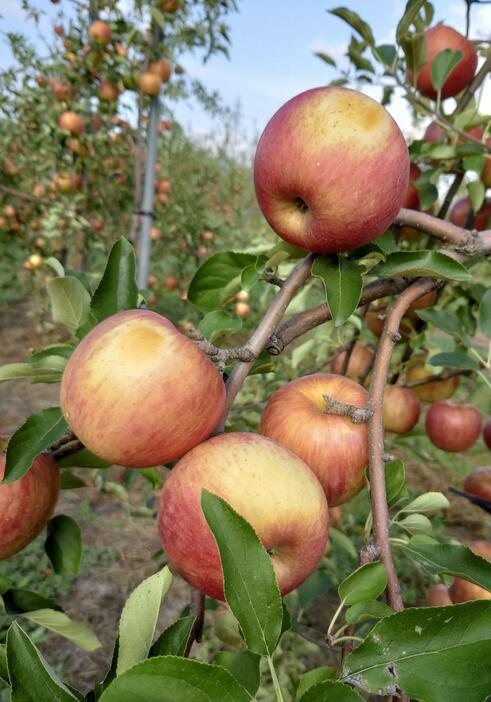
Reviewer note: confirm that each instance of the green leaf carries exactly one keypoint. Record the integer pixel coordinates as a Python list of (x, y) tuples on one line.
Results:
[(485, 314), (428, 194), (455, 359), (451, 560), (366, 611), (434, 654), (250, 583), (366, 583), (4, 673), (5, 584), (33, 437), (387, 53), (117, 289), (18, 601), (218, 279), (152, 475), (325, 57), (49, 367), (395, 479), (332, 691), (173, 640), (431, 264), (477, 192), (354, 20), (415, 524), (243, 665), (428, 502), (63, 545), (342, 282), (169, 678), (409, 16), (139, 619), (69, 481), (442, 66), (157, 17), (473, 163), (340, 539), (217, 323), (70, 302), (443, 320), (78, 633), (31, 678), (83, 459), (313, 677), (55, 264)]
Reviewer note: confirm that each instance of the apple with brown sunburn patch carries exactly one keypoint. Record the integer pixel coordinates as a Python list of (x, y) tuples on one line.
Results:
[(266, 484), (331, 170), (331, 445)]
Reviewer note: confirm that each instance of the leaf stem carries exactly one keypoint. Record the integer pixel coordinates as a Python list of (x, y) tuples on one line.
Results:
[(334, 618), (276, 682)]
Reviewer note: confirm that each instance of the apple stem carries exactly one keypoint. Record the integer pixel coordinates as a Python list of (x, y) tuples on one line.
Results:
[(276, 682), (358, 415)]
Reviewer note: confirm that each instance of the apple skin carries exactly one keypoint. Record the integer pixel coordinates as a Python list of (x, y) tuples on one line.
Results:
[(359, 363), (438, 596), (437, 39), (161, 68), (460, 210), (100, 32), (435, 390), (435, 134), (486, 169), (486, 433), (266, 484), (150, 83), (422, 303), (107, 91), (479, 482), (411, 198), (453, 426), (72, 122), (26, 506), (331, 170), (139, 393), (331, 445), (464, 591), (402, 409)]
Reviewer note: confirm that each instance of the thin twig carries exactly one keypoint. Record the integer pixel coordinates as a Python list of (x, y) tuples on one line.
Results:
[(358, 415)]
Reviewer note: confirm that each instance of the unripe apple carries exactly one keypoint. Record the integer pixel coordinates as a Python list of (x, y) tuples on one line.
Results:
[(435, 134), (464, 591), (72, 122), (453, 426), (242, 296), (242, 309), (460, 211), (100, 32), (171, 282), (359, 363), (267, 485), (437, 39), (149, 83), (331, 445), (486, 433), (401, 409), (479, 482), (161, 68), (138, 393), (27, 504), (438, 596), (331, 170), (436, 389), (107, 91), (411, 198)]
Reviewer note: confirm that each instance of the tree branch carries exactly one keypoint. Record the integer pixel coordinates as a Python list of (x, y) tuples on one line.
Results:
[(358, 415)]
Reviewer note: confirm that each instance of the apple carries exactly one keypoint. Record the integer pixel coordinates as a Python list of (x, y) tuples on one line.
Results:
[(107, 91), (178, 70), (242, 309), (401, 409), (152, 281), (163, 198), (438, 596), (41, 80), (435, 134), (72, 122), (479, 482), (375, 320), (201, 251), (331, 445), (335, 516), (39, 191), (207, 236), (411, 198), (436, 389), (139, 393), (161, 68), (26, 506), (100, 32), (422, 303), (437, 39), (163, 186), (171, 282), (462, 590), (59, 30), (453, 426), (359, 364), (331, 170), (486, 169), (460, 211), (149, 83), (242, 296), (154, 233), (170, 5), (266, 484), (486, 433), (165, 125), (35, 261), (9, 211)]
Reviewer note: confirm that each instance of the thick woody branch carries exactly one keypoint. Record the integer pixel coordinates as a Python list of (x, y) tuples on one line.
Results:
[(380, 508), (358, 415), (269, 323), (219, 355)]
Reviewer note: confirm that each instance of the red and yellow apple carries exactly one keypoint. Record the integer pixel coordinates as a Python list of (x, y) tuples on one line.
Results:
[(107, 91), (411, 198), (161, 68), (100, 32), (464, 591), (434, 390), (149, 83), (139, 393), (266, 484), (26, 506), (438, 596), (461, 209), (72, 122), (331, 445), (242, 309), (453, 426), (359, 363), (435, 134), (401, 409), (437, 39), (479, 482), (331, 170)]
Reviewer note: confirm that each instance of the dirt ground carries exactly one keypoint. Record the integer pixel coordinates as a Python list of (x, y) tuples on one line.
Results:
[(97, 598)]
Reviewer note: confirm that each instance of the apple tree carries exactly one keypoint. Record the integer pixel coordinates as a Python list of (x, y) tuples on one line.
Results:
[(370, 276)]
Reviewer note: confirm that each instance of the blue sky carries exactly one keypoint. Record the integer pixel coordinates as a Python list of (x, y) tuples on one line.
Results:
[(273, 42)]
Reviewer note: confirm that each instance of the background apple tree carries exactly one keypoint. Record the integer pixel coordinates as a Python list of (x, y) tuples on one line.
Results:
[(100, 165)]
